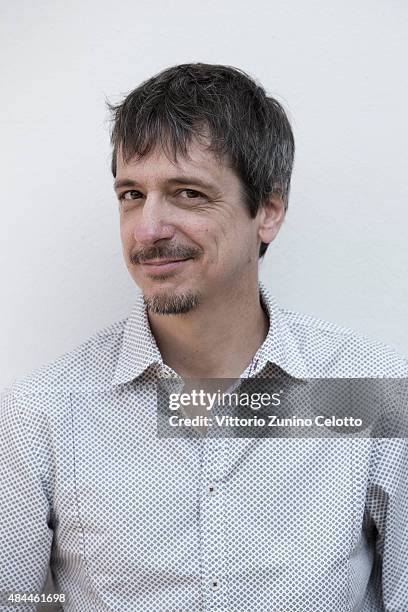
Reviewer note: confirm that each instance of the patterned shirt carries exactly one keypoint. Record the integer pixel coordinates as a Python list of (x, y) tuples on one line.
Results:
[(130, 521)]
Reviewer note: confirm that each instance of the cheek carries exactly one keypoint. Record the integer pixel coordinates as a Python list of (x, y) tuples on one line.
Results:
[(198, 231), (127, 242), (219, 239), (126, 233)]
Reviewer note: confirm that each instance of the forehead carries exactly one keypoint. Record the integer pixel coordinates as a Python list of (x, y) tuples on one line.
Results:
[(157, 165)]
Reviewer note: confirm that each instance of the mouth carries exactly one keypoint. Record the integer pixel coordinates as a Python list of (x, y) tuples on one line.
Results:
[(161, 266)]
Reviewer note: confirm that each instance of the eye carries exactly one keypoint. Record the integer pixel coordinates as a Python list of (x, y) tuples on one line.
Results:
[(130, 195), (192, 194)]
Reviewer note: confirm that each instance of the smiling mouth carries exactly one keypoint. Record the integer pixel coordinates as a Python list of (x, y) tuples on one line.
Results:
[(158, 266), (161, 262)]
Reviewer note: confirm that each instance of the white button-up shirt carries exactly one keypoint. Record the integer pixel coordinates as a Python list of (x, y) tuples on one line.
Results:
[(128, 520)]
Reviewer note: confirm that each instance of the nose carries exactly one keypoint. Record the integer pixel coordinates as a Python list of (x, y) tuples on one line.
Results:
[(152, 223)]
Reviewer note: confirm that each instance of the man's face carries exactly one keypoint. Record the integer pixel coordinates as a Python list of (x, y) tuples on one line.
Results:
[(187, 235)]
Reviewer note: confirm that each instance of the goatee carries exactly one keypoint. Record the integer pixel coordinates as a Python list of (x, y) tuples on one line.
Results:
[(172, 304)]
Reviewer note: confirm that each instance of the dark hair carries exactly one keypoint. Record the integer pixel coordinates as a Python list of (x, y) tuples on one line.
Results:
[(245, 125)]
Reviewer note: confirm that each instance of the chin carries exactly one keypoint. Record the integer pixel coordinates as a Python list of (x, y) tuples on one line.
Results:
[(171, 301)]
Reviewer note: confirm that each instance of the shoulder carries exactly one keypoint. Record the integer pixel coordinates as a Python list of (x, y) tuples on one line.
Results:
[(88, 366), (37, 407), (330, 349)]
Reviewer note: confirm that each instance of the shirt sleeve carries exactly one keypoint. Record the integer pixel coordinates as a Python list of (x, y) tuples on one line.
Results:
[(25, 524), (387, 507)]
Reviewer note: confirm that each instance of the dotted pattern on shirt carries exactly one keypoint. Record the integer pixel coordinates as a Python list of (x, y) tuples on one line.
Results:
[(131, 521)]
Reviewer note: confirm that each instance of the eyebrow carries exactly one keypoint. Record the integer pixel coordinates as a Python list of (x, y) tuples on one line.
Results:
[(180, 180)]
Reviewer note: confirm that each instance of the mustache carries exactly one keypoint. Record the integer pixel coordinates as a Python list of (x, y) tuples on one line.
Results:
[(164, 252)]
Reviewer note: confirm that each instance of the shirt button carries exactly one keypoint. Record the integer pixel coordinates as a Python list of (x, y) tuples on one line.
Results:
[(211, 490), (215, 583)]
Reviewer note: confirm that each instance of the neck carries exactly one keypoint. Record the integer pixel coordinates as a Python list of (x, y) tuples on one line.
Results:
[(216, 340)]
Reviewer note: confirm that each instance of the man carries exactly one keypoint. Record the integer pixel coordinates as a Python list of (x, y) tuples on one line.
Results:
[(131, 520)]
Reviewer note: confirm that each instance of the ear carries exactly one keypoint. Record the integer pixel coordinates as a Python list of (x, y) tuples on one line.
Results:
[(271, 215)]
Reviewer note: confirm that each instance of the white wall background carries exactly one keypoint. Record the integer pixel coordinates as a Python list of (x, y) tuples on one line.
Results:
[(339, 68)]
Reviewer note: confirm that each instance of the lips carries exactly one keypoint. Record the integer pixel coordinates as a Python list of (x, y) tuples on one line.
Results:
[(160, 262), (160, 266)]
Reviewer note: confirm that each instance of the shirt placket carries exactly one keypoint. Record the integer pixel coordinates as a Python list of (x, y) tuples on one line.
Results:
[(213, 507), (212, 525)]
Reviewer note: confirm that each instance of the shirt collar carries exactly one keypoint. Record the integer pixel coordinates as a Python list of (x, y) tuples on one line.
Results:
[(280, 346), (139, 350)]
